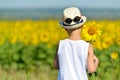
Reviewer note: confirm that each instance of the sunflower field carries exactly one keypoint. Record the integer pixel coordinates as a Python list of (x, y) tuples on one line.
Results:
[(31, 45)]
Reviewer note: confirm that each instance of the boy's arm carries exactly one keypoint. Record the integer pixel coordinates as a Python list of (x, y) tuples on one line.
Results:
[(56, 62), (92, 61)]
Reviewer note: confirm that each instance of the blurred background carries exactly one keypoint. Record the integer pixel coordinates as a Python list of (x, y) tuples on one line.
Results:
[(30, 32)]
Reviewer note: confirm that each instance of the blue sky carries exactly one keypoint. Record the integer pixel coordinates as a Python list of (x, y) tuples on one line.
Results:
[(59, 3)]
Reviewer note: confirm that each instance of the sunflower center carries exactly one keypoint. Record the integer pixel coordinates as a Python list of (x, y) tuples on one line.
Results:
[(91, 31)]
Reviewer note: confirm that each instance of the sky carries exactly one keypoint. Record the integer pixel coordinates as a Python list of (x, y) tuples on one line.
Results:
[(60, 3)]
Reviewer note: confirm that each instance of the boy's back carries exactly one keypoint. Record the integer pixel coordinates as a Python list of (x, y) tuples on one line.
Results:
[(72, 57)]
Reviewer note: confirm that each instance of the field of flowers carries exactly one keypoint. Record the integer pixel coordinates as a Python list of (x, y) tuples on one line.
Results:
[(31, 44)]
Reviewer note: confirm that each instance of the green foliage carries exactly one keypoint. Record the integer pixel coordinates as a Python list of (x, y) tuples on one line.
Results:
[(21, 57), (108, 68), (18, 56)]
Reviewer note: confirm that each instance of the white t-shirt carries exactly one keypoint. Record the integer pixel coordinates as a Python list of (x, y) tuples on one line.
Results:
[(72, 57)]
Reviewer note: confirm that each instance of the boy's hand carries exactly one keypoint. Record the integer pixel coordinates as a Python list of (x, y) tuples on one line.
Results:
[(96, 61)]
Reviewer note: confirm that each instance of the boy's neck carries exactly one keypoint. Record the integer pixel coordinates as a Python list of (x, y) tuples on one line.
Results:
[(74, 34)]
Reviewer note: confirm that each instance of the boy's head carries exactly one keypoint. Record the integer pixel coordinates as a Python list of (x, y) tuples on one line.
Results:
[(72, 18)]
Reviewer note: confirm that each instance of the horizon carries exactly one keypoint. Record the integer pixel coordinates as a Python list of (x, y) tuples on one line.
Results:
[(56, 13)]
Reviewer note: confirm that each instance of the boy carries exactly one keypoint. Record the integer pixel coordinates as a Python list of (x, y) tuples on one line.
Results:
[(74, 56)]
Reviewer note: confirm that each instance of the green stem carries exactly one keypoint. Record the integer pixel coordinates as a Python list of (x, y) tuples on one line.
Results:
[(93, 76)]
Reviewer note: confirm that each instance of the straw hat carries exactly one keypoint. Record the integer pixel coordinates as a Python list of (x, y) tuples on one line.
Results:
[(72, 18)]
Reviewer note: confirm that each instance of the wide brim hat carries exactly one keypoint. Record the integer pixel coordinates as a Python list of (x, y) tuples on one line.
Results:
[(71, 13)]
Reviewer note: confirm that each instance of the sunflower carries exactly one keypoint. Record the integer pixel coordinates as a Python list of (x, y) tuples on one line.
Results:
[(90, 32), (44, 36), (2, 40), (114, 55)]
